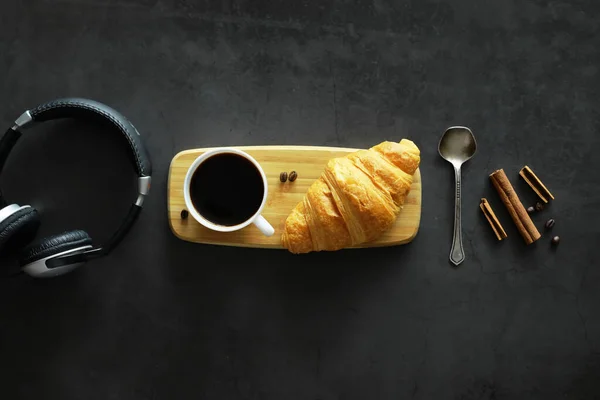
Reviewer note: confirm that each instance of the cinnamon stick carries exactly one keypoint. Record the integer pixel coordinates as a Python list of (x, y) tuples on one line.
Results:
[(514, 206), (536, 184), (492, 219)]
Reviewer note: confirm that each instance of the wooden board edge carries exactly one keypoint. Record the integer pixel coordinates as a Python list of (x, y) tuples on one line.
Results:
[(169, 196), (418, 223), (265, 147)]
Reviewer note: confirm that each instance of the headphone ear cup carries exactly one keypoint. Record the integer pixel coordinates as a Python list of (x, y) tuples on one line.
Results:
[(54, 245), (19, 228)]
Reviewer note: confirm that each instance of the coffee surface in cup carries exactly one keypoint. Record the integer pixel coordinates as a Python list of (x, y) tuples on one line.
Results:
[(227, 189)]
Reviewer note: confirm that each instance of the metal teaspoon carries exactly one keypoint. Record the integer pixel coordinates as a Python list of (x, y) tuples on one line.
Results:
[(456, 146)]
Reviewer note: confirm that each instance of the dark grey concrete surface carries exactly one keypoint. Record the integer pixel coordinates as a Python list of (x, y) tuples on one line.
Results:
[(165, 319)]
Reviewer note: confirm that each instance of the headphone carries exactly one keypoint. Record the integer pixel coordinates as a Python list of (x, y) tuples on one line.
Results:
[(59, 254)]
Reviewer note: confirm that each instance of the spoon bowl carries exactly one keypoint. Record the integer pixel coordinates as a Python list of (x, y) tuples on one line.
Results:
[(456, 146)]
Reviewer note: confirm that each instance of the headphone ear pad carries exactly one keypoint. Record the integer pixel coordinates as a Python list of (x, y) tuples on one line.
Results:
[(19, 228), (53, 245)]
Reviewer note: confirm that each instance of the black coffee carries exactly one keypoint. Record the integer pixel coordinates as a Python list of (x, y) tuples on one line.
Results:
[(227, 189)]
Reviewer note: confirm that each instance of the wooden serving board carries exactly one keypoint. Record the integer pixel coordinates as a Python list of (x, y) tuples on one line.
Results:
[(309, 162)]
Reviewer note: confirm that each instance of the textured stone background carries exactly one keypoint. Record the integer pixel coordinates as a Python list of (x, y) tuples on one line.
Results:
[(161, 318)]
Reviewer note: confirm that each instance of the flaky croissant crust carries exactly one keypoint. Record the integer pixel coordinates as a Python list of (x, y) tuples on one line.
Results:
[(356, 199)]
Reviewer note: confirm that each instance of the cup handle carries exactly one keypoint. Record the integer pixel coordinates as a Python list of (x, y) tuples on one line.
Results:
[(264, 226)]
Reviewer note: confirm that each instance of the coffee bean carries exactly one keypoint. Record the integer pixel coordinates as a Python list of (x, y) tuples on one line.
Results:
[(555, 240), (293, 176), (283, 176), (550, 223), (530, 210), (184, 214), (539, 206)]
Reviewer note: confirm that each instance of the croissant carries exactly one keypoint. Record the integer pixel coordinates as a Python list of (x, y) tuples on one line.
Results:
[(356, 199)]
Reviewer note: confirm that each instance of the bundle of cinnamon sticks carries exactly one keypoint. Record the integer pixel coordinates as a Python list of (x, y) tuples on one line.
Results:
[(515, 208)]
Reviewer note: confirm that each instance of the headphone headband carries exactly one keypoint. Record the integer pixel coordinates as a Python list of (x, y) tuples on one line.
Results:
[(86, 109), (91, 110)]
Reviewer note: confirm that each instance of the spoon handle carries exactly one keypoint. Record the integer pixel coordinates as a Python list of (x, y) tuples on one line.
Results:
[(457, 253)]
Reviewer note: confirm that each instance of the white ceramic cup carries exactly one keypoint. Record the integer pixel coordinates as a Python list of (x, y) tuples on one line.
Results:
[(256, 219)]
